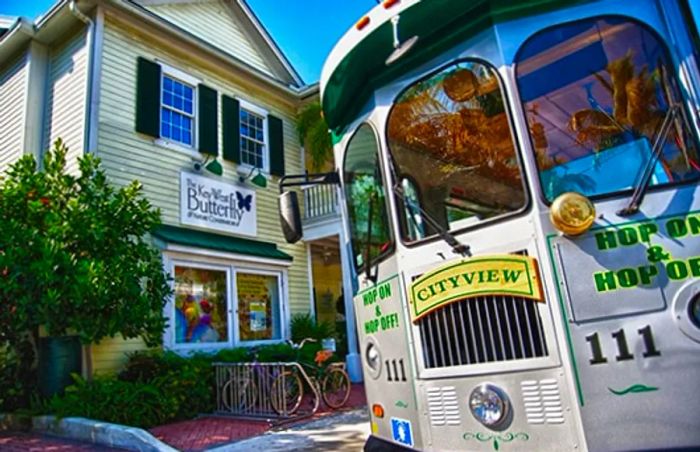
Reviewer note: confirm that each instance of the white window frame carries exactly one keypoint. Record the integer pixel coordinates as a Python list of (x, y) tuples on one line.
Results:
[(282, 317), (183, 77), (231, 263), (170, 310), (258, 111)]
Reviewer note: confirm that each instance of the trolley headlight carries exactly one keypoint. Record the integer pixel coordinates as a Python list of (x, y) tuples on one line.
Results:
[(694, 310), (572, 213), (489, 405), (373, 359)]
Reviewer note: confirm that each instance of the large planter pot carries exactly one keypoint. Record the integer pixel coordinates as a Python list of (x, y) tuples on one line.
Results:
[(58, 358)]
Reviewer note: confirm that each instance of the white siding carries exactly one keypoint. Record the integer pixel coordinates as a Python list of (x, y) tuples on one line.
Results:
[(127, 155), (214, 23), (66, 90), (13, 84)]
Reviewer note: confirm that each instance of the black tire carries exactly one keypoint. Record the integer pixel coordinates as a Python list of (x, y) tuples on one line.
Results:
[(286, 393), (335, 387)]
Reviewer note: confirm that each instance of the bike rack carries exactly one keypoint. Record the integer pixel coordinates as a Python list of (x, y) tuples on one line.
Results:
[(245, 390)]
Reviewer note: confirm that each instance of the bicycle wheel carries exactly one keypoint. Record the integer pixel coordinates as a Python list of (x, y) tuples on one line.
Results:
[(238, 394), (335, 387), (286, 393)]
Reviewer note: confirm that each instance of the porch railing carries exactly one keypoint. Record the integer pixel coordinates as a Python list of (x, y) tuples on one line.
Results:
[(320, 201), (263, 390)]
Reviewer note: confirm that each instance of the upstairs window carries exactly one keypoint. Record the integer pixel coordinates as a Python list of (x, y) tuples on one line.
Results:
[(177, 111), (253, 132)]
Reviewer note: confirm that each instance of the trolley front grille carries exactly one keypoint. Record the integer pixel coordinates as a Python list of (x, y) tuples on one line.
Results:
[(482, 330)]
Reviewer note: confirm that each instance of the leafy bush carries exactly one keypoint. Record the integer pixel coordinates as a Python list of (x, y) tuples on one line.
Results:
[(304, 326), (17, 378), (123, 402)]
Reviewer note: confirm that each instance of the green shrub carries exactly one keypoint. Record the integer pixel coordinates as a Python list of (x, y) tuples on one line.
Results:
[(304, 326), (234, 355), (122, 402), (17, 377)]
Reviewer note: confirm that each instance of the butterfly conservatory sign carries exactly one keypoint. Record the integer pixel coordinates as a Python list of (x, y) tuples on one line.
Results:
[(217, 205)]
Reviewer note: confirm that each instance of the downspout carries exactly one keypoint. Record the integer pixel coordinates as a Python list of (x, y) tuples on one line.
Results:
[(87, 129), (73, 7)]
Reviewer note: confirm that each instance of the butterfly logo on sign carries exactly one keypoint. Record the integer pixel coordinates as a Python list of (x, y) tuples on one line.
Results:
[(244, 202)]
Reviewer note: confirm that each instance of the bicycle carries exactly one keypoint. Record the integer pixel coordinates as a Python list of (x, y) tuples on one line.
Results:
[(330, 381)]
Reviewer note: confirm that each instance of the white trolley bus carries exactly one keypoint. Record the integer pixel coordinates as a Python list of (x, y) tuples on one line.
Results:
[(520, 185)]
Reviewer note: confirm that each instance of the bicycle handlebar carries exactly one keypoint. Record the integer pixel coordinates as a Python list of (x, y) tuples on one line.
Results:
[(301, 344)]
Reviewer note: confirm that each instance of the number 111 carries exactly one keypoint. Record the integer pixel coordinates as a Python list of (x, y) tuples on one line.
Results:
[(622, 347)]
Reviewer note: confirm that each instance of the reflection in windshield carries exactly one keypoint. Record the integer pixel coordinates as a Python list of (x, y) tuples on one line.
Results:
[(596, 93), (364, 191), (452, 146)]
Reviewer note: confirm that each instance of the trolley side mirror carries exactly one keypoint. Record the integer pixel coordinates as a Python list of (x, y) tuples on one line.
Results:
[(290, 217)]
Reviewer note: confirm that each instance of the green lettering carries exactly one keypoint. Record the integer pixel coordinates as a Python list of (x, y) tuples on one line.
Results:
[(628, 236), (646, 273), (492, 275), (604, 281), (605, 240), (422, 294), (676, 228), (694, 223), (646, 230), (468, 277), (677, 270), (384, 291), (442, 285), (694, 264), (454, 280), (627, 277), (511, 275)]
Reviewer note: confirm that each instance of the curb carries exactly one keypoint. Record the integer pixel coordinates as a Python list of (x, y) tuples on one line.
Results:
[(102, 433)]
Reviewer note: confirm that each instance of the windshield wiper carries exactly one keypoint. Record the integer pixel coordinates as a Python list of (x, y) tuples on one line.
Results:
[(457, 246), (641, 188)]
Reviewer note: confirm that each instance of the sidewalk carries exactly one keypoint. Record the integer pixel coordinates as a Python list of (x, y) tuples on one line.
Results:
[(32, 442), (208, 432)]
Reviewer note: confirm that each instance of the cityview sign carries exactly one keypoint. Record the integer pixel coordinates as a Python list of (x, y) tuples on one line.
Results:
[(217, 205)]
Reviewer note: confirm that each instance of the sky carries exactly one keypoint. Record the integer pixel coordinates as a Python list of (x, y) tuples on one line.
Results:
[(305, 30)]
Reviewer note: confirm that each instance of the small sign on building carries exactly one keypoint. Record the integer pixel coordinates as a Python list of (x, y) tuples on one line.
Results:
[(213, 204)]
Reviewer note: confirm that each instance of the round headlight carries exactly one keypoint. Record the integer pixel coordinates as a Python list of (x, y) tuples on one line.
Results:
[(572, 213), (694, 311), (489, 405), (373, 359)]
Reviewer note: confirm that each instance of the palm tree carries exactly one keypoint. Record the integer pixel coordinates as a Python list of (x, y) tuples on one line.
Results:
[(314, 135)]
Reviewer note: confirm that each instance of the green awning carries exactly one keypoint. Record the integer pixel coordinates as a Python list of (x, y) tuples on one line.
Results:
[(219, 242)]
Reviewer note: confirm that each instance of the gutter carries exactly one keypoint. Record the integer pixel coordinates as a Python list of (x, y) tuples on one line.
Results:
[(89, 130)]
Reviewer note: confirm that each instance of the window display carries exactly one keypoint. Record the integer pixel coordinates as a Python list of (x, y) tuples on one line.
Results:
[(200, 306), (258, 306)]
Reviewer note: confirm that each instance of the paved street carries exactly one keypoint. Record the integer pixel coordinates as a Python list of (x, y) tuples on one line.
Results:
[(345, 432)]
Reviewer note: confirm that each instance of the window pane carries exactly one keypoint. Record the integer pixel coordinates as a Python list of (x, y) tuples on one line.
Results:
[(258, 307), (596, 93), (453, 150), (200, 306), (364, 190), (167, 84)]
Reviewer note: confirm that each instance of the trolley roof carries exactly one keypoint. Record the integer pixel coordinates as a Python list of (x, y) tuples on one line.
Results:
[(356, 65)]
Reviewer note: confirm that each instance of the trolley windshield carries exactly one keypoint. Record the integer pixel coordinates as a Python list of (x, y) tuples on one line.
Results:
[(453, 153), (601, 100)]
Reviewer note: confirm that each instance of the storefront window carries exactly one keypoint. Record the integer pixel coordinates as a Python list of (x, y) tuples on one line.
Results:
[(601, 100), (258, 306), (200, 305)]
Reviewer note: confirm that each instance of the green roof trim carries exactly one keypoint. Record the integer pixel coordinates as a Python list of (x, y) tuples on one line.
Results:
[(439, 24), (219, 242)]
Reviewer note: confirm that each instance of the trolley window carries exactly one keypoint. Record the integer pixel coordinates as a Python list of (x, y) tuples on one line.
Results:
[(601, 98), (452, 150), (366, 199)]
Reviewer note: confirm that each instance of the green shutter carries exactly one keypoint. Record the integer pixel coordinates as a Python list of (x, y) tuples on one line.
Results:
[(148, 97), (276, 139), (231, 117), (208, 142)]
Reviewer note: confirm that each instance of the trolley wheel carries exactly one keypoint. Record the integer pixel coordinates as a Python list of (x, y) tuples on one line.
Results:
[(239, 395), (335, 387), (286, 393)]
